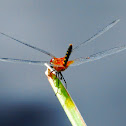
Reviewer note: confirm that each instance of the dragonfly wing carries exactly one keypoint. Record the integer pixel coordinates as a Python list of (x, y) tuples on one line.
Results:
[(98, 55), (98, 34), (41, 50), (24, 61)]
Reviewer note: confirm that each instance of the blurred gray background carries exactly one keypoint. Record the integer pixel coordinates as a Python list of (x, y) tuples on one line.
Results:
[(98, 88)]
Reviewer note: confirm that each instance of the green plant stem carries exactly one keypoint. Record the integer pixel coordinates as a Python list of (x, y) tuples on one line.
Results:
[(64, 98)]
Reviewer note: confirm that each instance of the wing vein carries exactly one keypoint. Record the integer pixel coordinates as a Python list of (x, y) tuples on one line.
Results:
[(97, 56), (23, 61), (38, 49), (98, 34)]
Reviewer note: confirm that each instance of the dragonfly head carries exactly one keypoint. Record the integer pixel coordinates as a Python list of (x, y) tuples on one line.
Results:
[(52, 60)]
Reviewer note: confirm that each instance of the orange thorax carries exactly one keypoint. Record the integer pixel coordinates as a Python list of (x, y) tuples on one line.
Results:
[(58, 64)]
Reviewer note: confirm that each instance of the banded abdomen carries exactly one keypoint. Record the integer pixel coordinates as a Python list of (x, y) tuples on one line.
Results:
[(67, 55)]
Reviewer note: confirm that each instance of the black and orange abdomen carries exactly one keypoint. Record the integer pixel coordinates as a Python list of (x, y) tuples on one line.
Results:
[(67, 55)]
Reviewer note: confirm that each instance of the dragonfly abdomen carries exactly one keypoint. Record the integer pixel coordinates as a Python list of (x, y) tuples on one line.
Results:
[(67, 55)]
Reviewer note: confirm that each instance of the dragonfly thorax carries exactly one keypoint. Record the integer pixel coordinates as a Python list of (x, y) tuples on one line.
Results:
[(58, 64)]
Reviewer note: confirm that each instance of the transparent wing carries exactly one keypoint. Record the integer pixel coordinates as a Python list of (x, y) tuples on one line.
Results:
[(41, 50), (98, 55), (98, 34), (23, 61)]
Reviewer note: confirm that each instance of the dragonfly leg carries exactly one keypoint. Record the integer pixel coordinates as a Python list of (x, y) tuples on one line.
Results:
[(55, 72), (52, 71), (60, 77), (63, 79), (57, 75)]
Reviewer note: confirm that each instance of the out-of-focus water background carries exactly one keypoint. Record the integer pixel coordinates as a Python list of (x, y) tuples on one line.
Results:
[(98, 88)]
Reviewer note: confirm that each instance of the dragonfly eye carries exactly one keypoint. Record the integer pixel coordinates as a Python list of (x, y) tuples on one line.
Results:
[(52, 61)]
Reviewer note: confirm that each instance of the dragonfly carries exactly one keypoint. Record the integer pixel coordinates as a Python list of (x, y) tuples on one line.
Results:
[(61, 64)]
